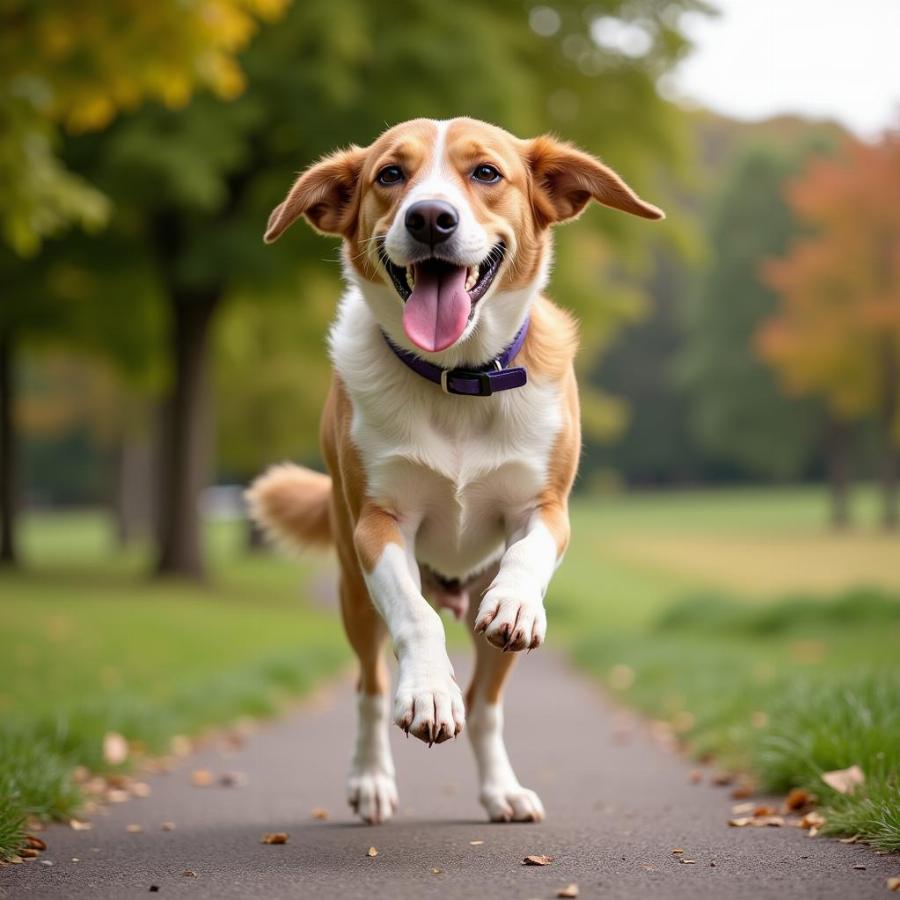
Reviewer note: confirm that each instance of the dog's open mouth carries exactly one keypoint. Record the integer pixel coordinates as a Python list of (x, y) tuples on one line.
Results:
[(439, 297)]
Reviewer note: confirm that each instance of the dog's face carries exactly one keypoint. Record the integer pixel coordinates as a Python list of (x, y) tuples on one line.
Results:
[(446, 224)]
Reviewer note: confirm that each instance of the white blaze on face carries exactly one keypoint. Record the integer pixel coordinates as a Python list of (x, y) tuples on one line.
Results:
[(439, 308)]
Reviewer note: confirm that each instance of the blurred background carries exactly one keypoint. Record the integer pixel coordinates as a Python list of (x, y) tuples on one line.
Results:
[(736, 564)]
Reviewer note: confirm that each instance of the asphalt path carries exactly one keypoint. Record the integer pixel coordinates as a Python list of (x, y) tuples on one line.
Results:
[(618, 803)]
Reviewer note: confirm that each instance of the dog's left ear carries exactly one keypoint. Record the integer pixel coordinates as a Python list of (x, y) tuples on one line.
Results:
[(566, 179), (325, 194)]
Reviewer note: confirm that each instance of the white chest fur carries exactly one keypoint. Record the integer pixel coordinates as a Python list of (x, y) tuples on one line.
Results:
[(462, 473)]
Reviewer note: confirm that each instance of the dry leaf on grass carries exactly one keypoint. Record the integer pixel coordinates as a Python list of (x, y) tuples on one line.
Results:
[(570, 890), (320, 814), (371, 852), (893, 884), (844, 781), (115, 748), (537, 860), (275, 837), (202, 778)]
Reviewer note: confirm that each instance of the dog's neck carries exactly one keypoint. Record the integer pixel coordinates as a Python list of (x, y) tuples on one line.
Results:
[(491, 331)]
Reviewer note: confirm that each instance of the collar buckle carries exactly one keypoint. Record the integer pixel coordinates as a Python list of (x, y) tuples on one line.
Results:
[(485, 387)]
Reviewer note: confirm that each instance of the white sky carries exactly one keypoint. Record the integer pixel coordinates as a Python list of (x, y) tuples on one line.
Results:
[(822, 58)]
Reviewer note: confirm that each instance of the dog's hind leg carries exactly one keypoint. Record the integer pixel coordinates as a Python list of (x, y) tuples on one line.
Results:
[(371, 788), (501, 794)]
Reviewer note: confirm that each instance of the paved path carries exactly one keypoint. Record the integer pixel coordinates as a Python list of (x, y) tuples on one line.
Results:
[(616, 809)]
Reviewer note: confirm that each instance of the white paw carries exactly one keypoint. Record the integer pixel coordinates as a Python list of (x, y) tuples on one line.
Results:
[(512, 804), (373, 795), (429, 704), (512, 618)]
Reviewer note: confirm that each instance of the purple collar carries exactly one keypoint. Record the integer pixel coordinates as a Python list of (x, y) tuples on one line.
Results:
[(480, 382)]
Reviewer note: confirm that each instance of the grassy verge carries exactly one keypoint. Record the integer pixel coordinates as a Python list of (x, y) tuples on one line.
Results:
[(777, 662), (786, 691), (93, 646)]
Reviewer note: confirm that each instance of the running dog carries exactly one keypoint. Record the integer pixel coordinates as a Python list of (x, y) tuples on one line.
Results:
[(451, 431)]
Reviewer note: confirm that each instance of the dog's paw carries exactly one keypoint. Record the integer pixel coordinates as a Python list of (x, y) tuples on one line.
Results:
[(512, 619), (512, 804), (429, 706), (373, 795)]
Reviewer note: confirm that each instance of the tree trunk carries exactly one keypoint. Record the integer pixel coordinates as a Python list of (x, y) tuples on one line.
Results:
[(133, 477), (838, 468), (8, 476), (185, 445), (890, 463)]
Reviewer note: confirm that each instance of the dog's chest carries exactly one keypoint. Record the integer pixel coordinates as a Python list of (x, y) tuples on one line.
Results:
[(460, 472)]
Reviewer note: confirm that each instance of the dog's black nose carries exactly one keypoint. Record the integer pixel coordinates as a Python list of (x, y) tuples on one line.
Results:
[(431, 221)]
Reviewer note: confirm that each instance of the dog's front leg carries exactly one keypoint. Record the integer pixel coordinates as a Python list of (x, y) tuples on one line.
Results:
[(428, 704), (511, 614)]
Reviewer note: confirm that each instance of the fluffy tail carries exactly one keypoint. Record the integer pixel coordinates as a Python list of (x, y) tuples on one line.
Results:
[(290, 504)]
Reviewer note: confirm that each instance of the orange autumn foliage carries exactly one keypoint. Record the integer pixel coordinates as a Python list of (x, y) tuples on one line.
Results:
[(837, 330)]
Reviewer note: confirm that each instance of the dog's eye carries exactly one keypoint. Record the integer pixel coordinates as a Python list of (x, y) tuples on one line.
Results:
[(486, 174), (390, 175)]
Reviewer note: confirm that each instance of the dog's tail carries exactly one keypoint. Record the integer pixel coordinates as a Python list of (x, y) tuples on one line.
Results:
[(291, 504)]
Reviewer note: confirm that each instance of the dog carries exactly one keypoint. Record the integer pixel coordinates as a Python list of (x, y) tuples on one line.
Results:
[(451, 431)]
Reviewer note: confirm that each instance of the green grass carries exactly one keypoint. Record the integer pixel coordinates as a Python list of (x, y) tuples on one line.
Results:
[(93, 645), (783, 686)]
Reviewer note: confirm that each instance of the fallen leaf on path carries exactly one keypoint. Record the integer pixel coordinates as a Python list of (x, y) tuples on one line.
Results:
[(167, 826), (79, 825), (319, 813), (117, 795), (677, 851), (35, 843), (115, 748), (688, 862), (849, 840), (233, 779), (844, 781), (797, 798), (133, 829), (722, 779), (537, 860), (476, 843), (764, 811), (371, 852), (740, 808), (436, 871), (570, 890), (29, 853), (202, 778), (189, 873), (741, 822), (812, 820), (141, 790), (744, 788), (275, 837), (859, 866), (893, 884)]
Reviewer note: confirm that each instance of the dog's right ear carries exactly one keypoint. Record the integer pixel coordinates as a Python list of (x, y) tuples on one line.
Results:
[(325, 195)]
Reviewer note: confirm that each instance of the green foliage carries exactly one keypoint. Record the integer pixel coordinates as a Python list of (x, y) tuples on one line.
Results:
[(736, 407)]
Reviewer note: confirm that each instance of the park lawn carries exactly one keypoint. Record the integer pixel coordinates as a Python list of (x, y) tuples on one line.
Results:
[(92, 645), (783, 684)]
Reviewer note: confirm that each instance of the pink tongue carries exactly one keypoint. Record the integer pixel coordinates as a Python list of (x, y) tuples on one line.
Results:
[(437, 311)]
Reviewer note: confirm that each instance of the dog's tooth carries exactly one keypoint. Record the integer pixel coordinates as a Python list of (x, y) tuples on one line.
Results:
[(410, 279), (472, 280)]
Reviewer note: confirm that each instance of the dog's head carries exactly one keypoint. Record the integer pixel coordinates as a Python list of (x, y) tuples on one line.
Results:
[(446, 224)]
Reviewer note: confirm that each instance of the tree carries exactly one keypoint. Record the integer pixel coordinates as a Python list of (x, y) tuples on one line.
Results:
[(736, 409), (836, 333), (193, 188)]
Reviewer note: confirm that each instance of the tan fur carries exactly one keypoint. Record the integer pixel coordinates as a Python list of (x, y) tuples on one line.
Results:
[(291, 504)]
